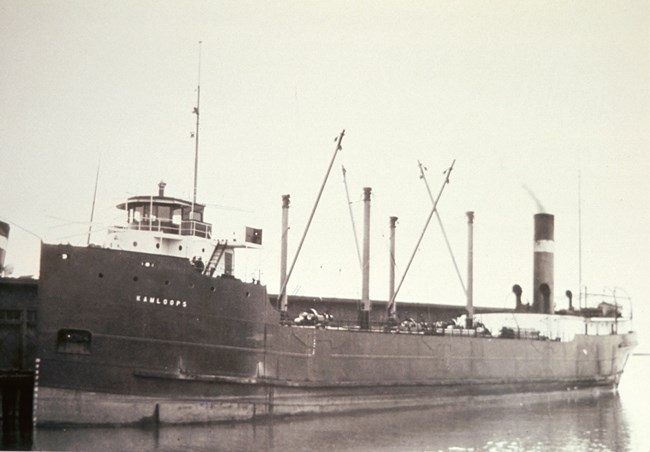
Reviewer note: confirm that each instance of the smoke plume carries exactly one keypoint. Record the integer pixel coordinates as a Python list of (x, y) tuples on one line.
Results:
[(540, 207)]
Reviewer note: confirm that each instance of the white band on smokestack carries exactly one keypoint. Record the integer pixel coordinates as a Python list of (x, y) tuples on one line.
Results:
[(544, 246)]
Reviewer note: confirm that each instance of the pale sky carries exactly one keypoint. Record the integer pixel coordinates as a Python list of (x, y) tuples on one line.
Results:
[(519, 93)]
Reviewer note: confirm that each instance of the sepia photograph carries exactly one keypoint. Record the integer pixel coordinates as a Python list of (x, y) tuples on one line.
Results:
[(324, 225)]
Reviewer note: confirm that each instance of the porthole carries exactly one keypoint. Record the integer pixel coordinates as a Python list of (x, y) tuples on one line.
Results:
[(167, 282), (64, 256), (248, 294), (212, 289), (157, 245), (135, 244), (180, 247), (135, 278), (101, 275)]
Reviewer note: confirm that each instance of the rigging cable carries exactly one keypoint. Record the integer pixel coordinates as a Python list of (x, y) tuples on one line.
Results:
[(354, 228), (442, 228), (390, 307)]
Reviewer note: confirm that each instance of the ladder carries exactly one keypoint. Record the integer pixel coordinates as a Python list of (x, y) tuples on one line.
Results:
[(218, 251)]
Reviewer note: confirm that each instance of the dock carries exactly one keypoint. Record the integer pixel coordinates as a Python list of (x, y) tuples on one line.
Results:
[(18, 344)]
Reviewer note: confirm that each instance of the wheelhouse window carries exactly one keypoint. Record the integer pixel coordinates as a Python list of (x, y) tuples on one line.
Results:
[(74, 341), (164, 213), (138, 213), (176, 215)]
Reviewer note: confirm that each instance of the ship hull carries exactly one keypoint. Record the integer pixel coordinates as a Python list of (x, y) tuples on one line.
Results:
[(62, 407), (129, 338)]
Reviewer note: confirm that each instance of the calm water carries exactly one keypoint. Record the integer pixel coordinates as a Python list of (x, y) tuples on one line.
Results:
[(611, 422)]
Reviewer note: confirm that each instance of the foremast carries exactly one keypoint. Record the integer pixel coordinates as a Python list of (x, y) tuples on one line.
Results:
[(196, 132)]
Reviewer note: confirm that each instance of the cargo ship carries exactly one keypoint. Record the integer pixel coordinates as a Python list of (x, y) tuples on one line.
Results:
[(153, 326)]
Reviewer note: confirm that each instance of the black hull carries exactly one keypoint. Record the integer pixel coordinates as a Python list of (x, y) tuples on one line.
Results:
[(171, 345)]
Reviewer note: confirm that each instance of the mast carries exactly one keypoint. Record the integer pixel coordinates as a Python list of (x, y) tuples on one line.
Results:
[(196, 133)]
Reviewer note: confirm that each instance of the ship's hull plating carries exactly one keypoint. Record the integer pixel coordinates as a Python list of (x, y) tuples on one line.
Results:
[(170, 345)]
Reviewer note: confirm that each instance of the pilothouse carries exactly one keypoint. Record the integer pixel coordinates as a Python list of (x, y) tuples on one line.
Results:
[(172, 227)]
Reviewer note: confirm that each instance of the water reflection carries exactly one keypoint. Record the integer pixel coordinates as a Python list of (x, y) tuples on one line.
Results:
[(577, 421)]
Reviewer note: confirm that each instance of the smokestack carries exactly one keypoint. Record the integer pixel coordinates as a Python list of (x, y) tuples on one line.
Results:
[(470, 270), (543, 264), (4, 241), (364, 314), (283, 255), (391, 278)]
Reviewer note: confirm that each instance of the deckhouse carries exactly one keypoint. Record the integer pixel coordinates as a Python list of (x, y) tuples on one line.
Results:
[(174, 227)]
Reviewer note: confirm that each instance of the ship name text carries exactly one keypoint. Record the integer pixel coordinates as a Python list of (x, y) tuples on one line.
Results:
[(162, 301)]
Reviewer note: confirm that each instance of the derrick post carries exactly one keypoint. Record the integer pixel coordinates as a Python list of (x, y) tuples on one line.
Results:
[(470, 270), (392, 311), (364, 314), (283, 256)]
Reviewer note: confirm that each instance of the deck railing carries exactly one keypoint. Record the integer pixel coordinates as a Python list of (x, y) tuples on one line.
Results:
[(187, 227)]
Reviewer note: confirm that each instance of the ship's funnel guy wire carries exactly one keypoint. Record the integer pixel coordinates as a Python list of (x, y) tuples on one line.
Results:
[(13, 223)]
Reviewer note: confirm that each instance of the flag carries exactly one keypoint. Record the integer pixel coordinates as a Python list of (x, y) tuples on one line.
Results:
[(254, 235)]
